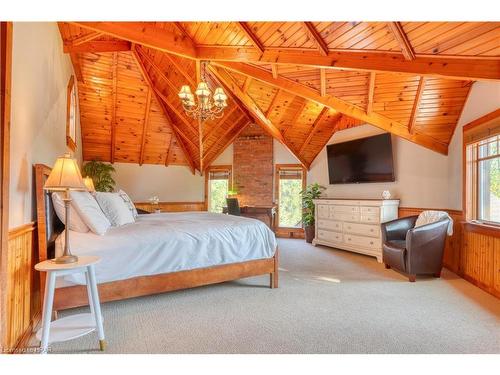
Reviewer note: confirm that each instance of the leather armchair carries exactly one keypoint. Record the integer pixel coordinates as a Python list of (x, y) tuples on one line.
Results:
[(411, 250)]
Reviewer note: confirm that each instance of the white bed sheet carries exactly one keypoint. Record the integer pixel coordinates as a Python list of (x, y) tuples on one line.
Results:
[(170, 242)]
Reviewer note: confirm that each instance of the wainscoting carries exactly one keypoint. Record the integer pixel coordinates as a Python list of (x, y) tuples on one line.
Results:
[(471, 253), (23, 287), (172, 206)]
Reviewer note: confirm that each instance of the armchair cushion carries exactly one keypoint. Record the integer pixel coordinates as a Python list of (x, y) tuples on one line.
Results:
[(397, 229)]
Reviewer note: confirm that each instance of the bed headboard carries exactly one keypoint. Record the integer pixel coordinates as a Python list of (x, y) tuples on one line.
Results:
[(49, 225)]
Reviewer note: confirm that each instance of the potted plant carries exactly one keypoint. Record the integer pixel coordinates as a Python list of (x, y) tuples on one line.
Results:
[(101, 175), (311, 192)]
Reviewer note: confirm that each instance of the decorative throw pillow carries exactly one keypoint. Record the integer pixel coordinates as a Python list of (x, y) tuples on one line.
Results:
[(129, 203), (75, 221), (115, 209), (90, 212)]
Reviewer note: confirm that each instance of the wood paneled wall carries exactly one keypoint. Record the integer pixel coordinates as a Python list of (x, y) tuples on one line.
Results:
[(452, 248), (172, 206), (23, 291), (471, 253)]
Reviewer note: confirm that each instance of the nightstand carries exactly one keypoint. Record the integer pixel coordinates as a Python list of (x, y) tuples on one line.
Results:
[(73, 326)]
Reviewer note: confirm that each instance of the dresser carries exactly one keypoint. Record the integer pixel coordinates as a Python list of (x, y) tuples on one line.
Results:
[(353, 225)]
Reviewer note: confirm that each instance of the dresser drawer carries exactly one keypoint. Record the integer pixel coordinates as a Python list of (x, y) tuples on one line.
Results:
[(346, 217), (344, 209), (330, 225), (370, 211), (330, 236), (322, 211), (369, 242), (375, 219), (363, 229)]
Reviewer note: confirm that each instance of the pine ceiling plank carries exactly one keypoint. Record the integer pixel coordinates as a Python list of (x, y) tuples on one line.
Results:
[(145, 126), (339, 105), (371, 90), (314, 128), (113, 107), (146, 77)]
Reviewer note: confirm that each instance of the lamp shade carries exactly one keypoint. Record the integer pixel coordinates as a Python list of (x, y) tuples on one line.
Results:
[(65, 175), (89, 184)]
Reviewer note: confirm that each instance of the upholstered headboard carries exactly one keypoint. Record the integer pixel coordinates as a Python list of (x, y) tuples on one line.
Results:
[(49, 225)]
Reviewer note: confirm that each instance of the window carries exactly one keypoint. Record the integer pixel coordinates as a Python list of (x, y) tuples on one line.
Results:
[(290, 181), (217, 183), (483, 180)]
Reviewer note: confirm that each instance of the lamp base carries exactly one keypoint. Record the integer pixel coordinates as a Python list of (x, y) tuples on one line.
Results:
[(66, 259)]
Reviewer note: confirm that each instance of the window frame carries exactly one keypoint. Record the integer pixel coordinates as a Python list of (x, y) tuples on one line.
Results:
[(278, 168), (475, 133), (222, 168)]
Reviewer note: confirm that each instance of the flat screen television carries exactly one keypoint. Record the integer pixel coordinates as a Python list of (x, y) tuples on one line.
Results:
[(362, 160)]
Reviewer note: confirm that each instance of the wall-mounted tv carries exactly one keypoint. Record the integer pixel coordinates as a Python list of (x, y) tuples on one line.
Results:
[(362, 160)]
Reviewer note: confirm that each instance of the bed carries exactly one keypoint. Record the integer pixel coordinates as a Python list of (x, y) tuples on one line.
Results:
[(159, 252)]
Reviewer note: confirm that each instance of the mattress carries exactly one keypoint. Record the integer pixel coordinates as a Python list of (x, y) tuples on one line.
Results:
[(170, 242)]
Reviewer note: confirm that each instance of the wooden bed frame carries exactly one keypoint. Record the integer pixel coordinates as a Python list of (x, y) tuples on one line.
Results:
[(75, 296)]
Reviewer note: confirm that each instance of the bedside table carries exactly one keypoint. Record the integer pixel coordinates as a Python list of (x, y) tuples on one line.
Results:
[(72, 326)]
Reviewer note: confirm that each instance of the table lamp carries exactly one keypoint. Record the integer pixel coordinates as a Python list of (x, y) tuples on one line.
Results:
[(89, 184), (65, 176)]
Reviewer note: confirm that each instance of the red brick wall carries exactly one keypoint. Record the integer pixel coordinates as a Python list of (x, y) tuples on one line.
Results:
[(253, 167)]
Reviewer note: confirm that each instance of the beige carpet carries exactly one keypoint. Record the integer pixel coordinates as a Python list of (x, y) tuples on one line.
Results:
[(329, 301)]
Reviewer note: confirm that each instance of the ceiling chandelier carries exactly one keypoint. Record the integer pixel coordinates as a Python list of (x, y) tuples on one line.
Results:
[(206, 106)]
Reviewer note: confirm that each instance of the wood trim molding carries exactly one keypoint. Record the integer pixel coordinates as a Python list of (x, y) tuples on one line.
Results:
[(5, 104), (481, 228)]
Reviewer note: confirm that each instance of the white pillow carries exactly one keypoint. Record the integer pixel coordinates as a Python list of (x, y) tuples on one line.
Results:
[(115, 209), (90, 212), (75, 221), (129, 203)]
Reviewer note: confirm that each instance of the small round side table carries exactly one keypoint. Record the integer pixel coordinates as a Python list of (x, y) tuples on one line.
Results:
[(72, 326)]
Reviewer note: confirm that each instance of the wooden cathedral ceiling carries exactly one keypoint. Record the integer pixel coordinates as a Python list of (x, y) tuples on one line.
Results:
[(300, 81)]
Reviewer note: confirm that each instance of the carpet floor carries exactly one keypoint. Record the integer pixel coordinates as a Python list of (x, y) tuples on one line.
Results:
[(329, 301)]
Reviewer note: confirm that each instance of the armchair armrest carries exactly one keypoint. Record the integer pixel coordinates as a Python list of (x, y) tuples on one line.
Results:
[(397, 229)]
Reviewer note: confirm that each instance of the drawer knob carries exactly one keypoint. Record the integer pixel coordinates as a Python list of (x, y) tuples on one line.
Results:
[(371, 242), (371, 230)]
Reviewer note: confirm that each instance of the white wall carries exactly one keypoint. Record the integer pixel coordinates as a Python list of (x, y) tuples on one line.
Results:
[(171, 184), (40, 75), (483, 99), (421, 174), (282, 155)]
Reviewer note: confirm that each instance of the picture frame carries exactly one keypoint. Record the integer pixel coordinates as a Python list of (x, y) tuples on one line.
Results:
[(71, 113)]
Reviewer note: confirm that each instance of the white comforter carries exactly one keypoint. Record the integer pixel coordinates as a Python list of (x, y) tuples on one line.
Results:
[(169, 242)]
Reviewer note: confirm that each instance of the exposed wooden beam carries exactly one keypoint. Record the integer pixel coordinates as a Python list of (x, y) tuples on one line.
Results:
[(274, 69), (146, 35), (316, 37), (322, 74), (226, 132), (247, 83), (175, 132), (337, 104), (314, 128), (98, 46), (113, 106), (77, 67), (145, 126), (402, 39), (463, 68), (228, 142), (454, 68), (259, 117), (416, 105), (220, 122), (371, 91), (85, 38), (179, 67), (250, 35)]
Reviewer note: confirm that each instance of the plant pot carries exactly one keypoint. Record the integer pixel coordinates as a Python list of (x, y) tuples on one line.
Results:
[(309, 233)]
